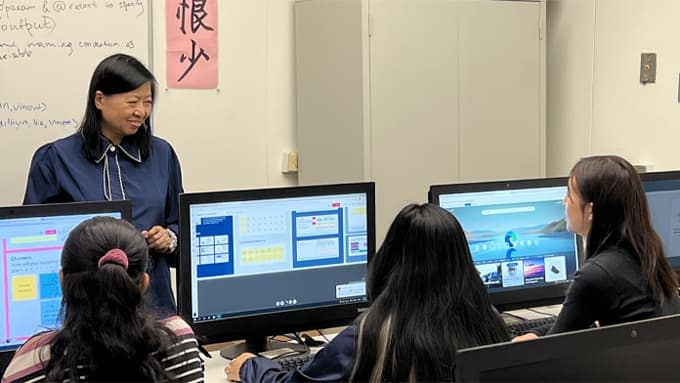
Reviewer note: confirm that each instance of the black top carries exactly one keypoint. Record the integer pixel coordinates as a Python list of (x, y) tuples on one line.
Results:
[(609, 289)]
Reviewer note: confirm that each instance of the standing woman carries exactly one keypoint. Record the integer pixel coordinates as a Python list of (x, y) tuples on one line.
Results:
[(626, 275), (114, 156), (106, 334), (427, 301)]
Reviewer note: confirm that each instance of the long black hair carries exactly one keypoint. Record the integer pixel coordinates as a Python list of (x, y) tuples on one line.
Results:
[(621, 218), (106, 329), (427, 301), (116, 74)]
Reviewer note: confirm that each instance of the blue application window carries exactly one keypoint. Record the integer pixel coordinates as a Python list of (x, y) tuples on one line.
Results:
[(215, 246), (317, 238)]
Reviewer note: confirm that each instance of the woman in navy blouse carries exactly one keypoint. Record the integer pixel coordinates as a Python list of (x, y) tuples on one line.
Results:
[(114, 156)]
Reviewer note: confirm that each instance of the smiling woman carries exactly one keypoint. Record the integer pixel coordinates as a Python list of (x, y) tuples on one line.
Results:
[(114, 156)]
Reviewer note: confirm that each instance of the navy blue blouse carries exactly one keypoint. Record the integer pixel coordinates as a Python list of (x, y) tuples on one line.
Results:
[(60, 173), (333, 363)]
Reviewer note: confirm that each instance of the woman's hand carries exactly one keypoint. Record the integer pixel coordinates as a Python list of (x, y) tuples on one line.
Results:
[(525, 337), (157, 237), (234, 367)]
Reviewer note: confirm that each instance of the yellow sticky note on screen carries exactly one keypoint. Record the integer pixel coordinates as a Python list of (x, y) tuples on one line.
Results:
[(24, 287)]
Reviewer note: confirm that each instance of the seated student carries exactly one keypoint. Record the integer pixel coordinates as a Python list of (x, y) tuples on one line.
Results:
[(107, 335), (427, 302), (626, 275)]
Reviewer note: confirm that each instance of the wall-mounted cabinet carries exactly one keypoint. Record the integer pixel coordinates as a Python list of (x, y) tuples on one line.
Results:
[(410, 93)]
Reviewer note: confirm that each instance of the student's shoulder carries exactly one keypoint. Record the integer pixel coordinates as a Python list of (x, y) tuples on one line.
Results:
[(177, 325), (612, 257), (36, 342), (606, 264), (30, 358)]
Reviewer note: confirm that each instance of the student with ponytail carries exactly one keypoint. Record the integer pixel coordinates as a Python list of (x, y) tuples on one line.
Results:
[(427, 301), (107, 333)]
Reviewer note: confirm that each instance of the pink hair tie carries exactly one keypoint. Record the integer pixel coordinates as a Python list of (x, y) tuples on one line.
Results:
[(116, 256)]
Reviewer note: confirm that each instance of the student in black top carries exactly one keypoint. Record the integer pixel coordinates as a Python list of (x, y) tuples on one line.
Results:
[(427, 301), (626, 275)]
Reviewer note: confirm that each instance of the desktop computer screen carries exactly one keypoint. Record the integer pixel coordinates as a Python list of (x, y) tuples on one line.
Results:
[(270, 261), (32, 237), (663, 196), (517, 235), (643, 351)]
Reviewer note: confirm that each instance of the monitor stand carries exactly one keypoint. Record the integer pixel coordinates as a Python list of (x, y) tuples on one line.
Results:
[(257, 345)]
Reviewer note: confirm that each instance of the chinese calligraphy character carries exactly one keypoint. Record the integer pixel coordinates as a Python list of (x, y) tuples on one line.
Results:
[(198, 14), (193, 59)]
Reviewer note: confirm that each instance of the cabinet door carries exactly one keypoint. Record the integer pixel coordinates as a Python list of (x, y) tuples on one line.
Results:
[(330, 38), (414, 110), (501, 95)]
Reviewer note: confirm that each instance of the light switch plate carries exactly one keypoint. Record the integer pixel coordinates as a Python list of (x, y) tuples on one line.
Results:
[(648, 68)]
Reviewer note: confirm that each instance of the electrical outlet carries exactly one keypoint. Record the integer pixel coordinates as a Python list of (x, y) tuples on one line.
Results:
[(289, 162), (648, 68)]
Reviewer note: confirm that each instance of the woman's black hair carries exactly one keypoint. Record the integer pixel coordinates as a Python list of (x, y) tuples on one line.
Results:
[(427, 301), (106, 333), (116, 74), (621, 218)]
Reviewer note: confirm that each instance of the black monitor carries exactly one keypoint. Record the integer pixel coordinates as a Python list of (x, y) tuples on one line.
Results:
[(643, 351), (32, 237), (256, 263), (518, 238), (663, 196)]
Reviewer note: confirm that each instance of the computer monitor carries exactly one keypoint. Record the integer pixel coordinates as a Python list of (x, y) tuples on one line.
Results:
[(518, 238), (643, 351), (663, 196), (32, 237), (256, 263)]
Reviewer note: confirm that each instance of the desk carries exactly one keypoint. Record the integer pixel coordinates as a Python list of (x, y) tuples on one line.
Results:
[(214, 368)]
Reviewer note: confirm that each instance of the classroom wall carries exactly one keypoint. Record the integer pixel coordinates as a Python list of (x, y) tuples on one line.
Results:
[(595, 102), (234, 137)]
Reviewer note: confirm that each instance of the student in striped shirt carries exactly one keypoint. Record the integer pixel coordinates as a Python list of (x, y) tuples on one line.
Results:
[(107, 334)]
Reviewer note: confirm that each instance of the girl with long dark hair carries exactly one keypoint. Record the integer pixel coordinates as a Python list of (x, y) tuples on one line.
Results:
[(427, 301)]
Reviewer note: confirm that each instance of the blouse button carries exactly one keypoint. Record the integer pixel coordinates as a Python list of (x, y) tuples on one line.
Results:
[(113, 149)]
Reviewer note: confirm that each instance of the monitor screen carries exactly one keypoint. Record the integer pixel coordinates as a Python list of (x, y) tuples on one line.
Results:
[(663, 196), (643, 351), (32, 237), (517, 235), (271, 261)]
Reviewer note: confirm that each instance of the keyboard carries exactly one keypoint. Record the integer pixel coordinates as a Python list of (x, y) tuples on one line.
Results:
[(523, 326), (291, 363)]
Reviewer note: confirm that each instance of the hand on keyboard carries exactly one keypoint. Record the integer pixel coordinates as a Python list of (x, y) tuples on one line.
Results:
[(291, 363), (521, 327)]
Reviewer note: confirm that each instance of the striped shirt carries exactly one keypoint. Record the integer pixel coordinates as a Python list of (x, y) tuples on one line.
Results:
[(183, 359)]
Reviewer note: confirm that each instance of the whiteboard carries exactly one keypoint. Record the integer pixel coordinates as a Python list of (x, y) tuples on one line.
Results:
[(48, 51)]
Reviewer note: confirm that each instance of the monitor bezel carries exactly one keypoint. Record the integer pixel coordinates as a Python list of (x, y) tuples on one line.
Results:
[(266, 324), (672, 175), (518, 298), (472, 362), (124, 207)]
